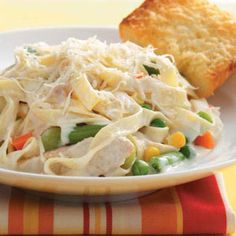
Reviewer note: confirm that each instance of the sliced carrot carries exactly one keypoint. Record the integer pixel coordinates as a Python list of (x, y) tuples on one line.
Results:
[(19, 142), (206, 140), (139, 76)]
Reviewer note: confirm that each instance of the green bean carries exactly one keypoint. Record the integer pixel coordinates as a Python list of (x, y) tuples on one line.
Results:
[(161, 162), (51, 138), (151, 70), (147, 106), (81, 132), (205, 116), (158, 123), (174, 157)]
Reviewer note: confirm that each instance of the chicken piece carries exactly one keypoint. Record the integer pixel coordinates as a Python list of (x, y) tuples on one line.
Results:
[(104, 161), (110, 157), (73, 151)]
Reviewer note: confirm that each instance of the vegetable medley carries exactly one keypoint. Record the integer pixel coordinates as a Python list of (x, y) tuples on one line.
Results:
[(87, 108)]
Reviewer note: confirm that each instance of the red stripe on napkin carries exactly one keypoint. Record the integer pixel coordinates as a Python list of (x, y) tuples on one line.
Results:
[(46, 216), (16, 212), (86, 218), (108, 218), (203, 207)]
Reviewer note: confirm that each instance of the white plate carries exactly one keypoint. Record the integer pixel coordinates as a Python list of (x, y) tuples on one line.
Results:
[(219, 158)]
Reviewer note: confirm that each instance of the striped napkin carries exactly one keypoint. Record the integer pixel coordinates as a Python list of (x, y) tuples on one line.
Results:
[(193, 208)]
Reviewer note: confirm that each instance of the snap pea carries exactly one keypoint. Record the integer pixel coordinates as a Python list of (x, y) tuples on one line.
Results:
[(158, 123), (188, 151), (151, 70), (51, 138), (140, 168), (205, 116), (85, 131), (147, 106)]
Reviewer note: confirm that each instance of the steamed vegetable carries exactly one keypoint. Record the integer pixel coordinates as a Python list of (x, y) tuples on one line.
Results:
[(19, 142), (147, 106), (188, 151), (206, 140), (205, 116), (85, 131), (140, 168), (177, 139), (150, 152), (174, 157), (51, 138), (129, 160), (161, 162), (158, 123), (151, 70)]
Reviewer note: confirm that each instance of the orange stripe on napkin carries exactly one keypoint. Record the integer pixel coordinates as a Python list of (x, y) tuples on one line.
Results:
[(97, 213), (156, 209), (179, 211), (16, 212), (46, 213), (31, 211)]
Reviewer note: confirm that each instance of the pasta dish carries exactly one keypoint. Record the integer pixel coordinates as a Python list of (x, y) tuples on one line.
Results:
[(88, 108)]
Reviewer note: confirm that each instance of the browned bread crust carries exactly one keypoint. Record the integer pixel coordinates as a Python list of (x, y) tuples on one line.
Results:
[(200, 36)]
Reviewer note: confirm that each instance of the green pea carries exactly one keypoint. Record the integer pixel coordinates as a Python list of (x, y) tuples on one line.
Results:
[(140, 168), (205, 116), (187, 151), (147, 106), (158, 123), (151, 70), (51, 138), (85, 131)]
